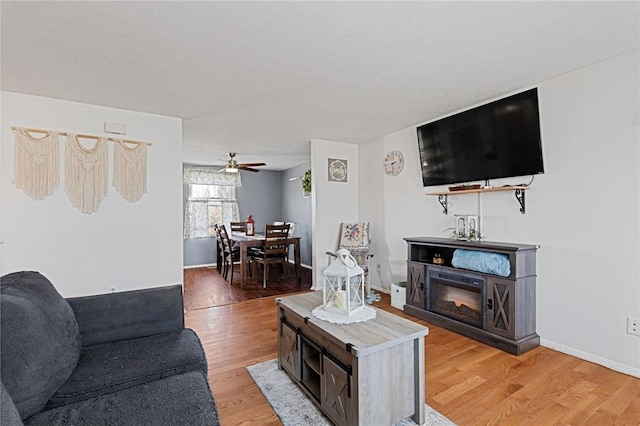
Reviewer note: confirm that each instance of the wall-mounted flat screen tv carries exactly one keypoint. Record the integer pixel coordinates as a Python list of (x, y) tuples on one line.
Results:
[(497, 140)]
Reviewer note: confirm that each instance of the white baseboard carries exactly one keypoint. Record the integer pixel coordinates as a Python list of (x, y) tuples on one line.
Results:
[(616, 366), (206, 265), (382, 290), (304, 265)]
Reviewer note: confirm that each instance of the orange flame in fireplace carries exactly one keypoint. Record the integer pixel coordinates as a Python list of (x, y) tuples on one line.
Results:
[(458, 304)]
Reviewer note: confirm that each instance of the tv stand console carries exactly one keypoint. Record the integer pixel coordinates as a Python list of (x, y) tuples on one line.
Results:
[(497, 310)]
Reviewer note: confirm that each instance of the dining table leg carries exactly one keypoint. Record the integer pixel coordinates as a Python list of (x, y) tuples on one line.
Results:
[(243, 265), (296, 251)]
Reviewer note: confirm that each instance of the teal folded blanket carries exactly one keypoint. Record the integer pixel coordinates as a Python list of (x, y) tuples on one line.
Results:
[(482, 261)]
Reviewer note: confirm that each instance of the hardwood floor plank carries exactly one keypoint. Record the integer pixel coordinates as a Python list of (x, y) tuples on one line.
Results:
[(458, 388), (471, 383), (631, 415), (205, 287), (618, 408)]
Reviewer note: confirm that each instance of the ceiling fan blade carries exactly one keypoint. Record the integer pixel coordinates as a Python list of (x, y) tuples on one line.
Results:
[(251, 164), (249, 169)]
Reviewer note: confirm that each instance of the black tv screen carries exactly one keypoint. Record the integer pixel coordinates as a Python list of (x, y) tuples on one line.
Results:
[(496, 140)]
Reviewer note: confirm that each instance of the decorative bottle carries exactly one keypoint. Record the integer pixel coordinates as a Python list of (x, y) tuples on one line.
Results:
[(250, 226)]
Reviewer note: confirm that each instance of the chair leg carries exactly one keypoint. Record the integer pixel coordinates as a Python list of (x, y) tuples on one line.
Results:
[(231, 267), (264, 275), (224, 267)]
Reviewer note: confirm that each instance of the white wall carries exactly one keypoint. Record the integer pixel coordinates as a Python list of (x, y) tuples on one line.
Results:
[(331, 202), (297, 208), (583, 212), (371, 197), (124, 245)]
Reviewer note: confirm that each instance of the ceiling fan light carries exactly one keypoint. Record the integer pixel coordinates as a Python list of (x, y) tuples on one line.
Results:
[(231, 170)]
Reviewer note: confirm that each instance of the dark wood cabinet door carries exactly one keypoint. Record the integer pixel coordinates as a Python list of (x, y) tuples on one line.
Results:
[(336, 398), (289, 355), (415, 284), (501, 306)]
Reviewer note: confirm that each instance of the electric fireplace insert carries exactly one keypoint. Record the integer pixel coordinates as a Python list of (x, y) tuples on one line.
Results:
[(457, 295)]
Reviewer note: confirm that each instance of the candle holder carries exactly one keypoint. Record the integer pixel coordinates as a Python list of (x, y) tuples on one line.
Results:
[(343, 290), (467, 227)]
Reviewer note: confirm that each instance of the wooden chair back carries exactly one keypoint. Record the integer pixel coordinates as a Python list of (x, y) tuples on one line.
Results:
[(216, 228), (229, 252), (274, 248), (275, 239), (292, 226), (226, 241), (238, 226)]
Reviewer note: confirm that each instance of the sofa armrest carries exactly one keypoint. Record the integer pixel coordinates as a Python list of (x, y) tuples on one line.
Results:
[(128, 315), (9, 414)]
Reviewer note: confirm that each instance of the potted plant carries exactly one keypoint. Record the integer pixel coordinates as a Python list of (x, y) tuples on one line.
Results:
[(306, 183)]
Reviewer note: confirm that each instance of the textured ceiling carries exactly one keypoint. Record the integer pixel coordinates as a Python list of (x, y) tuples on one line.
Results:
[(264, 78)]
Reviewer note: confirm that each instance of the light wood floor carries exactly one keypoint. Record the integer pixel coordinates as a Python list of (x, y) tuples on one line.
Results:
[(469, 382)]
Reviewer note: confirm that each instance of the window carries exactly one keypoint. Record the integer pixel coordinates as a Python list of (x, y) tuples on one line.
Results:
[(208, 205)]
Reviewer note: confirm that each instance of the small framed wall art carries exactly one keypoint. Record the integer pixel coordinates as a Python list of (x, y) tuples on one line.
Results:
[(337, 170), (467, 227)]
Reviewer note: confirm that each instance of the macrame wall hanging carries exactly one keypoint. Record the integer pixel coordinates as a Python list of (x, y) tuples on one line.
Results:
[(37, 163), (130, 170), (86, 174), (37, 167)]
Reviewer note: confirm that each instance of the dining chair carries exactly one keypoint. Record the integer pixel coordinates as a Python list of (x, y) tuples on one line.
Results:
[(230, 253), (238, 226), (292, 226), (292, 229), (219, 250), (355, 238), (273, 250)]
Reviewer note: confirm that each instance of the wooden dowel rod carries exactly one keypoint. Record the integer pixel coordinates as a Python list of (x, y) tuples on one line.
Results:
[(110, 139)]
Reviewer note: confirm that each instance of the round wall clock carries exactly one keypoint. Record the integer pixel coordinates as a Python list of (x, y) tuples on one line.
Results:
[(393, 163)]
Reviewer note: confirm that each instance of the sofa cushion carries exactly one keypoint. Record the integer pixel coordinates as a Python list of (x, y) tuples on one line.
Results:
[(111, 367), (39, 339), (184, 399)]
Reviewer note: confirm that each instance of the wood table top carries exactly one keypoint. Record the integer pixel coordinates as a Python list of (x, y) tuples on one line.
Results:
[(383, 331)]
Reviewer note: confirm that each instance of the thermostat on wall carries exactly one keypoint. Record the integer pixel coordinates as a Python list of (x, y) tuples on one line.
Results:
[(115, 128)]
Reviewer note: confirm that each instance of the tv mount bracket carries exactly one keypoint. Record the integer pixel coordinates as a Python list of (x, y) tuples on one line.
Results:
[(519, 192)]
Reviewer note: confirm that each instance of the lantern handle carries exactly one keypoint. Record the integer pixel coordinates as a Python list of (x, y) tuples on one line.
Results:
[(346, 258)]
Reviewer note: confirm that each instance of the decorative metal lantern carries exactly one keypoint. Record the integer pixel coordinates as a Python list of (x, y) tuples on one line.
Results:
[(343, 290)]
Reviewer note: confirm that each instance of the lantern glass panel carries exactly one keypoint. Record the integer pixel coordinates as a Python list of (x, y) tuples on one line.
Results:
[(344, 293)]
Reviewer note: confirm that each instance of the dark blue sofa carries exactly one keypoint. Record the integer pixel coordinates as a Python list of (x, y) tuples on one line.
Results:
[(113, 359)]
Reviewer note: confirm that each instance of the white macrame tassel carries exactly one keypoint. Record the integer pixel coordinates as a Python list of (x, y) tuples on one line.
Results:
[(86, 174), (37, 164), (130, 171)]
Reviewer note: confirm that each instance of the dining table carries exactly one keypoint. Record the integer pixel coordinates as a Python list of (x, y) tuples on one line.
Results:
[(245, 241)]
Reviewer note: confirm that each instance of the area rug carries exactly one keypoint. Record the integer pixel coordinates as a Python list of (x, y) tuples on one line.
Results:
[(295, 409)]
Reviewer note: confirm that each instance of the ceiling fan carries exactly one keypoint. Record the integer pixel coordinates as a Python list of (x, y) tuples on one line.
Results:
[(232, 166)]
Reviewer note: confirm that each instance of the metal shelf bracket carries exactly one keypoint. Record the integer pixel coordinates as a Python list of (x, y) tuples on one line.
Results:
[(442, 199), (519, 193), (520, 197)]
